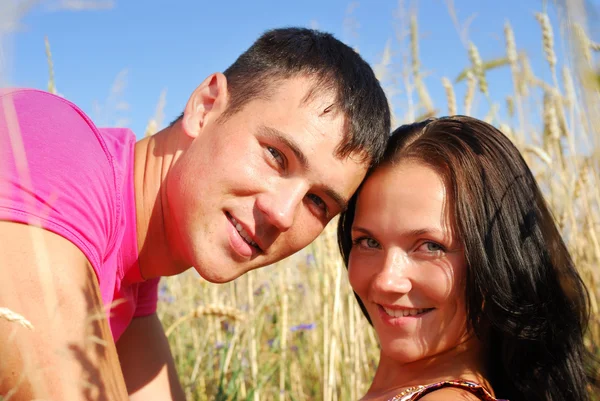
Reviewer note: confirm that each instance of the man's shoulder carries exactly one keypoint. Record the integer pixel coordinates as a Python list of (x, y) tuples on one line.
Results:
[(119, 143), (48, 122), (24, 98), (60, 171), (41, 122)]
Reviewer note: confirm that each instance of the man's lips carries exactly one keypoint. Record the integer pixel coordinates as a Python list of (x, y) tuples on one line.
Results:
[(244, 232)]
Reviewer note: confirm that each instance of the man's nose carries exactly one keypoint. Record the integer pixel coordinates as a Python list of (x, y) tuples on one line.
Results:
[(280, 205)]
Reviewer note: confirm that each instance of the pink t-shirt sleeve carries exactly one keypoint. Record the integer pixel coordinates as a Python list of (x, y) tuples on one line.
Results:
[(147, 298), (55, 172)]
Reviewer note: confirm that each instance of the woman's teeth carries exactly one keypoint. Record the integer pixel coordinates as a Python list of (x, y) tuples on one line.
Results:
[(404, 312)]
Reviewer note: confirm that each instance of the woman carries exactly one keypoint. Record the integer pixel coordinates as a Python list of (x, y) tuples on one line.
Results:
[(457, 263)]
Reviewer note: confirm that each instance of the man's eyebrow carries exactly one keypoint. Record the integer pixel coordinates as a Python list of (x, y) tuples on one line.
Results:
[(337, 198), (277, 135)]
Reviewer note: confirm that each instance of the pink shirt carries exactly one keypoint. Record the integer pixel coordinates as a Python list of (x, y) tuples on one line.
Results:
[(75, 180)]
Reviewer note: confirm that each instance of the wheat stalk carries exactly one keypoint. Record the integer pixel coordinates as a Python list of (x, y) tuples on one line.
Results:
[(209, 310), (511, 47), (567, 78), (551, 126), (470, 93), (51, 82), (414, 45), (14, 317), (583, 42), (507, 131), (540, 153), (424, 95), (478, 68), (151, 128), (489, 117), (450, 96), (510, 106), (252, 337), (220, 311), (547, 39), (284, 332), (525, 77)]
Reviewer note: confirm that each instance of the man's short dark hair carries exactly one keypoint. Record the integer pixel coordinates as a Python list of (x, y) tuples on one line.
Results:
[(290, 52)]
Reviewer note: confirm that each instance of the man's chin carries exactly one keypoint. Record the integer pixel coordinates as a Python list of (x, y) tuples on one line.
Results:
[(218, 277)]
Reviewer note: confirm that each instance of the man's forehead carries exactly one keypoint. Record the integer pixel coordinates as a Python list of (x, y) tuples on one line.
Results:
[(322, 96), (312, 91)]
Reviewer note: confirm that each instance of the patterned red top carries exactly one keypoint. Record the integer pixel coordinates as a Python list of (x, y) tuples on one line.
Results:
[(474, 388)]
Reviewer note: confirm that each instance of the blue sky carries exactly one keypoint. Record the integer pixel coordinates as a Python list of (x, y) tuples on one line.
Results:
[(114, 58)]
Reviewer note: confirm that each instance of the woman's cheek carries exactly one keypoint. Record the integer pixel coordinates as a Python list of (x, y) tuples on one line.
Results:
[(357, 275)]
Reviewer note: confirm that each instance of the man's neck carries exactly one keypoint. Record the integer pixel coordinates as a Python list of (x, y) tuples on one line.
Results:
[(153, 159)]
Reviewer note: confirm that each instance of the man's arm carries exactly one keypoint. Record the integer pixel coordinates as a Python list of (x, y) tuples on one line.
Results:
[(70, 353), (147, 363)]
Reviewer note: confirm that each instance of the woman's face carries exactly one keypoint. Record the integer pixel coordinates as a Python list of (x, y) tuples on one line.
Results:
[(406, 264)]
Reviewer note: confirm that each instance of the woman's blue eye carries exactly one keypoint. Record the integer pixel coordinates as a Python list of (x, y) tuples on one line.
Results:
[(371, 243), (433, 247), (366, 242)]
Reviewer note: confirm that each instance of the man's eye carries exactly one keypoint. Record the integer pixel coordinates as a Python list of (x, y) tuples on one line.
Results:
[(276, 155), (318, 202)]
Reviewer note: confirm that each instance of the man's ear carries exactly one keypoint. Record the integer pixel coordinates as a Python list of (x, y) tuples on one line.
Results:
[(207, 103)]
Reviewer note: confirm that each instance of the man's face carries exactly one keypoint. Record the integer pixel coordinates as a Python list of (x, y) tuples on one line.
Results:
[(261, 185)]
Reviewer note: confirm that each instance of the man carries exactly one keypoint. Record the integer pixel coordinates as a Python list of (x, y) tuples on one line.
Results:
[(262, 158)]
